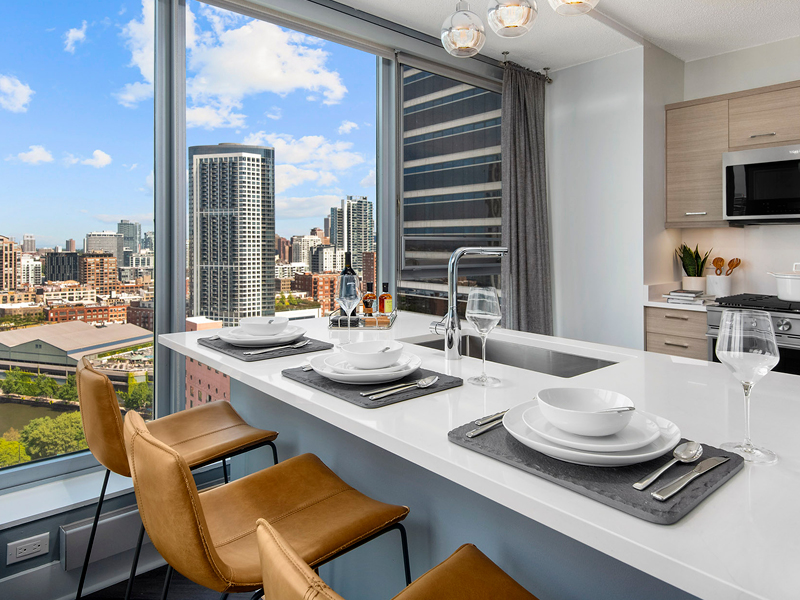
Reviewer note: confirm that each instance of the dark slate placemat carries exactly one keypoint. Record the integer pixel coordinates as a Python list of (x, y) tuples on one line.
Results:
[(237, 352), (612, 486), (351, 393)]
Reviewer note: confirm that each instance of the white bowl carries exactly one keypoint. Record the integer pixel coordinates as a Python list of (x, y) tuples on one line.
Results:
[(368, 355), (575, 410), (263, 325)]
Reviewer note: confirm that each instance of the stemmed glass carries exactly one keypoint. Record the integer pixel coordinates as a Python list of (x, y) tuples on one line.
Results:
[(349, 296), (483, 312), (747, 346)]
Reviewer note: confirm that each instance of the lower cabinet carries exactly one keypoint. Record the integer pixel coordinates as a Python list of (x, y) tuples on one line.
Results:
[(677, 332)]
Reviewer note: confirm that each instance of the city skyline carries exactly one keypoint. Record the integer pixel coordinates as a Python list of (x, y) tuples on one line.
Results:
[(95, 168)]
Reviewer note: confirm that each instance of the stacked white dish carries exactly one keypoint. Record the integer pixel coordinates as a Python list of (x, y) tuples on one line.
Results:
[(261, 332), (641, 437), (366, 363)]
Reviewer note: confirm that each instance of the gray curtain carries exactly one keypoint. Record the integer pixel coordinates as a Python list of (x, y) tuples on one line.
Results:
[(526, 275)]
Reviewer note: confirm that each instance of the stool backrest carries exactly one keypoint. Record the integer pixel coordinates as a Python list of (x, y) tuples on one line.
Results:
[(170, 507), (101, 418), (285, 575)]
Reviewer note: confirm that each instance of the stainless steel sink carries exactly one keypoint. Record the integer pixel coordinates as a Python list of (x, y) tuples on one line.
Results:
[(540, 360)]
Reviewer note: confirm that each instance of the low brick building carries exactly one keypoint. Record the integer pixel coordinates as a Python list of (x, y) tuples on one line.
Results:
[(320, 287), (91, 313), (142, 314), (204, 384)]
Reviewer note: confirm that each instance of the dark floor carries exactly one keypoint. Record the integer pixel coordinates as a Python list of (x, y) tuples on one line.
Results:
[(148, 586)]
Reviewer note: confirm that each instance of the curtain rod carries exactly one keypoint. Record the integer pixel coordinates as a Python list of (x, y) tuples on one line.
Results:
[(546, 70)]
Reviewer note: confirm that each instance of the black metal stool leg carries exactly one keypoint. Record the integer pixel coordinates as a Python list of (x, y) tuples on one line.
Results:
[(274, 452), (167, 580), (257, 594), (129, 589), (406, 563), (91, 537), (225, 469), (224, 596)]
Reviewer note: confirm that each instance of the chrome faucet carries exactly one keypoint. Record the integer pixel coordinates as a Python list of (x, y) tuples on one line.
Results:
[(450, 325)]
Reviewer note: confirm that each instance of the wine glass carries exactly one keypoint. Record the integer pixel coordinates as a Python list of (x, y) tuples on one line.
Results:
[(349, 295), (747, 346), (483, 312)]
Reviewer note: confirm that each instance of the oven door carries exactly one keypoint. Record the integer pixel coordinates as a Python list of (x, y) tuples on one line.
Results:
[(788, 363)]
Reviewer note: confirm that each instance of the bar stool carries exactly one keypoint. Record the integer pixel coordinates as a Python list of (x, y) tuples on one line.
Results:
[(203, 435), (210, 536), (466, 575)]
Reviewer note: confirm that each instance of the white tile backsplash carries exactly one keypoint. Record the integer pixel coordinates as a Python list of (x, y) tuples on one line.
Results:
[(762, 248)]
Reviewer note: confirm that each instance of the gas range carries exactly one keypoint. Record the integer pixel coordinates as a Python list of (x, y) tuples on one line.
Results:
[(785, 321)]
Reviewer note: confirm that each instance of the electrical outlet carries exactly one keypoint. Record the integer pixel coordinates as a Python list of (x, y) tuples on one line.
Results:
[(28, 548)]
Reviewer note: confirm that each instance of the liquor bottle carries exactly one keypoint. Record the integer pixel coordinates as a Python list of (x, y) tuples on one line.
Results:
[(348, 269), (369, 300), (385, 301)]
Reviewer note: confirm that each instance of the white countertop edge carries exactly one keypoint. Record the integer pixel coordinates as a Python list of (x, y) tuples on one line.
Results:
[(665, 304), (554, 506)]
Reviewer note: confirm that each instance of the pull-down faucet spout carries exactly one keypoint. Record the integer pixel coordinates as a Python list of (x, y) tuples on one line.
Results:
[(450, 325)]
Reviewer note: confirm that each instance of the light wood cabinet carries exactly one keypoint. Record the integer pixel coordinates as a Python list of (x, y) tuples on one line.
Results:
[(768, 118), (677, 332)]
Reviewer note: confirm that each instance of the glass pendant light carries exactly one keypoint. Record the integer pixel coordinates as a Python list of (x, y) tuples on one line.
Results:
[(463, 34), (512, 18), (569, 8)]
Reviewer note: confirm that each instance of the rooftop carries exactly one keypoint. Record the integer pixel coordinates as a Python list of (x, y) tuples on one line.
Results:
[(77, 338)]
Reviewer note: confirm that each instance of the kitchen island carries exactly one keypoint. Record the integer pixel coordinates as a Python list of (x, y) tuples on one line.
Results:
[(742, 542)]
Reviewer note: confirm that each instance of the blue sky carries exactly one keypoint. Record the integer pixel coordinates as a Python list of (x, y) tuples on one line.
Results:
[(76, 113)]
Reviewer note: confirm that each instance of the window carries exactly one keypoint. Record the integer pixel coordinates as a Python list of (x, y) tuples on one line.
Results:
[(451, 178), (77, 150)]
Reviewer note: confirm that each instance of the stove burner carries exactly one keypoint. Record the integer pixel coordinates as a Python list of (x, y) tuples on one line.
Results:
[(759, 302)]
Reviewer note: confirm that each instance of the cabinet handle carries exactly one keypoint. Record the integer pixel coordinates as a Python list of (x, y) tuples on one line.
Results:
[(771, 133), (676, 344), (676, 317), (693, 214)]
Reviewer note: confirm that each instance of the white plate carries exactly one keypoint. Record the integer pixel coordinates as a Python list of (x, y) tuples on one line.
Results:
[(237, 337), (338, 363), (515, 425), (364, 377), (638, 433)]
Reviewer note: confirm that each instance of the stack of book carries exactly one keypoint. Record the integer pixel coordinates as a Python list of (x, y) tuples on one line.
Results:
[(687, 297)]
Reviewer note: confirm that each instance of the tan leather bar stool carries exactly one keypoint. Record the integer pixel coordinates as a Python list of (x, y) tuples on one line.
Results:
[(466, 575), (202, 435), (210, 536)]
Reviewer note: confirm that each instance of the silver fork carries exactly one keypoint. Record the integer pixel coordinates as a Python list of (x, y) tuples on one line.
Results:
[(265, 350)]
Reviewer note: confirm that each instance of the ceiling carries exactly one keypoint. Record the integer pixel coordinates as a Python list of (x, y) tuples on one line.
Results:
[(688, 29)]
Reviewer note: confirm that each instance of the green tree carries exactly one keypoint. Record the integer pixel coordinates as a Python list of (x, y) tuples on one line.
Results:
[(45, 386), (48, 437), (12, 435), (12, 453), (68, 390), (18, 382)]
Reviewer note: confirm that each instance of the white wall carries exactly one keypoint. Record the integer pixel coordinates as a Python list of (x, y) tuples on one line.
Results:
[(594, 127), (744, 69), (762, 248)]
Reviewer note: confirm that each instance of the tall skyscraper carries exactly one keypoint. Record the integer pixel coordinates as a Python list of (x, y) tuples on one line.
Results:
[(61, 266), (327, 259), (29, 243), (29, 271), (352, 229), (302, 246), (131, 234), (106, 241), (326, 227), (231, 232), (98, 271), (451, 178), (149, 240), (9, 259), (70, 245), (283, 249)]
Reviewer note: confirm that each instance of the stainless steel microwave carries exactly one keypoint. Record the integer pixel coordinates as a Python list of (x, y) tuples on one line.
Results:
[(761, 185)]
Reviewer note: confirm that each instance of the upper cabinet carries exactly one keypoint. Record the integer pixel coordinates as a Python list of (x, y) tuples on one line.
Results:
[(700, 131), (696, 138), (769, 118)]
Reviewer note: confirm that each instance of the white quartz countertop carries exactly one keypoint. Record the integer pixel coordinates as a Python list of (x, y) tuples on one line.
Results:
[(742, 542), (665, 304)]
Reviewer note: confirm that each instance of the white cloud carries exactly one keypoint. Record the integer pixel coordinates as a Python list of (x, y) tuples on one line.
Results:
[(150, 180), (274, 113), (73, 37), (139, 39), (131, 167), (70, 159), (347, 127), (36, 155), (99, 160), (313, 206), (312, 151), (213, 116), (14, 95), (287, 176), (369, 181)]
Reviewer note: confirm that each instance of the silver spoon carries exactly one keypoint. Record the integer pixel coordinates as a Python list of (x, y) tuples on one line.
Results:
[(616, 409), (686, 453), (385, 349), (421, 384), (296, 345)]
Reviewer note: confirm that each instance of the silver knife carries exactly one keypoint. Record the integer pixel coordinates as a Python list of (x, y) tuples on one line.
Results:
[(676, 486), (484, 428), (490, 418), (391, 387)]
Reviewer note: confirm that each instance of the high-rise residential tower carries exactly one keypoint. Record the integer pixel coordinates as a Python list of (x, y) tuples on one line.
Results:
[(302, 246), (352, 228), (9, 259), (231, 232), (28, 243), (106, 241), (131, 234), (61, 266), (70, 245)]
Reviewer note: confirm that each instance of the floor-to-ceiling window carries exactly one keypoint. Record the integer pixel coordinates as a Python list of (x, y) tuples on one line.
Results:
[(76, 217), (451, 185)]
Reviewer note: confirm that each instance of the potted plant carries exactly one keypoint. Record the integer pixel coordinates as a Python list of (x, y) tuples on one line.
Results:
[(693, 266)]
